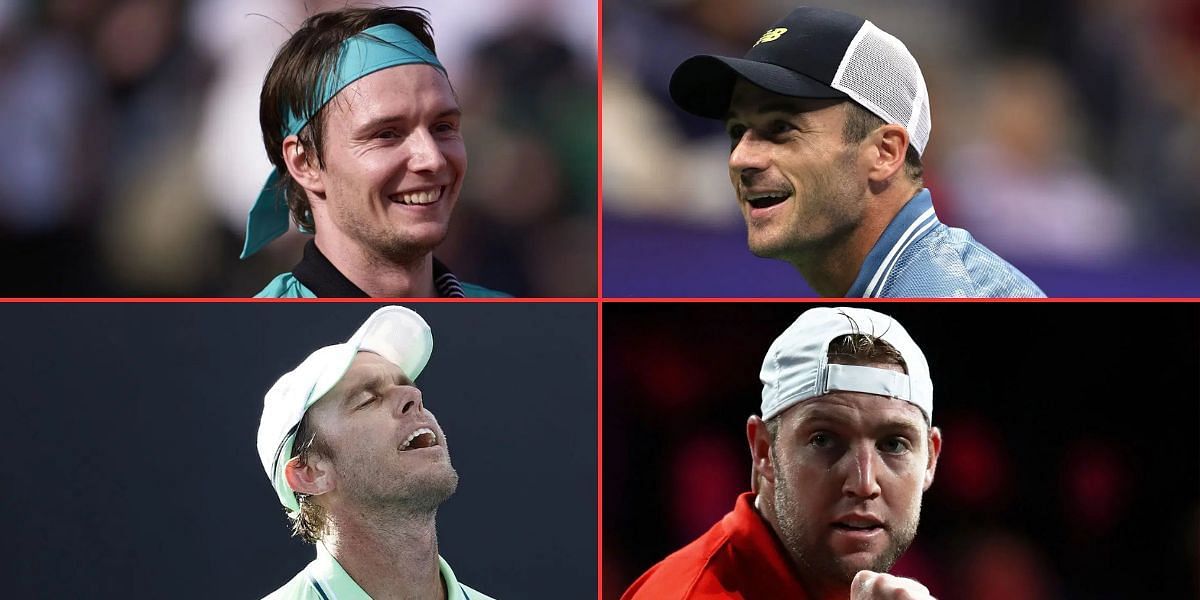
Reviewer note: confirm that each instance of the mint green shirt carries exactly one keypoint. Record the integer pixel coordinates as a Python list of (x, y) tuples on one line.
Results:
[(325, 579)]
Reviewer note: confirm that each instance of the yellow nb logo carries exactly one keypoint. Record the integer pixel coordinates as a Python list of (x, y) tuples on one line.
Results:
[(771, 35)]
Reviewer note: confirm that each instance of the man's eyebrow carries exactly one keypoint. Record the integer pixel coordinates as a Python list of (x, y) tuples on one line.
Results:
[(901, 426), (824, 415), (819, 416), (377, 122)]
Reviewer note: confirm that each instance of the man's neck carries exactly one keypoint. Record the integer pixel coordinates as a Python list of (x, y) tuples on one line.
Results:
[(814, 588), (379, 276), (830, 270), (389, 558)]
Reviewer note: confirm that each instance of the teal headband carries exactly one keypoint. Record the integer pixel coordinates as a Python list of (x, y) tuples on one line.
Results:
[(374, 49)]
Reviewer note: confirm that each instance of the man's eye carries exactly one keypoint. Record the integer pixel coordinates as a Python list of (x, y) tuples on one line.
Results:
[(387, 134), (736, 132), (445, 127), (821, 440), (368, 401), (778, 128), (894, 445)]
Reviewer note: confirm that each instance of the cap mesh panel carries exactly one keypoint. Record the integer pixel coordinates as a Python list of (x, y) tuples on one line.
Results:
[(879, 73)]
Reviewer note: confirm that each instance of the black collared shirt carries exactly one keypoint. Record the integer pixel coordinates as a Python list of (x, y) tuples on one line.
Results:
[(316, 273)]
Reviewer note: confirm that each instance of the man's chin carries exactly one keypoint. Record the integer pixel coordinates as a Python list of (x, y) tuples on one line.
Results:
[(842, 569)]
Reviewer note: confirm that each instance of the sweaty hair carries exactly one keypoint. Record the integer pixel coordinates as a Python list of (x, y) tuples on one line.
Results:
[(312, 521), (860, 122), (854, 349), (305, 60)]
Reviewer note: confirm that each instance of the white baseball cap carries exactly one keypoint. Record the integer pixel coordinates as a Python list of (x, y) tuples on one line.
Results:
[(395, 333), (796, 367)]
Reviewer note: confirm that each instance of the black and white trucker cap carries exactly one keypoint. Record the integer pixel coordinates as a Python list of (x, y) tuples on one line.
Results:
[(816, 53)]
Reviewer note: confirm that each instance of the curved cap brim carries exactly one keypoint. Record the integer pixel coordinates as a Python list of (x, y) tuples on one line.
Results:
[(703, 85)]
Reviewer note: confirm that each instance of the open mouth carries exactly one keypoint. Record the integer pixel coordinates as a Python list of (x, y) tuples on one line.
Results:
[(766, 199), (421, 438), (849, 527), (418, 198)]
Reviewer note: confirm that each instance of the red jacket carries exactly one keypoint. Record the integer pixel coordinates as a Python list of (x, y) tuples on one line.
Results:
[(740, 557)]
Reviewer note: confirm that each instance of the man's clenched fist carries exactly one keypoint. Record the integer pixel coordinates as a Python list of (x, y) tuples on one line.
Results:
[(869, 585)]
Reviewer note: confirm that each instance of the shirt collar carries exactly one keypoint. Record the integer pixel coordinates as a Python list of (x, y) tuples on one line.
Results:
[(761, 551), (316, 273), (913, 222), (331, 580)]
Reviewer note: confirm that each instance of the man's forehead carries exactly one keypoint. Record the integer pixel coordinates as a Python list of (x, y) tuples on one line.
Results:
[(368, 364), (750, 99), (857, 407), (402, 90)]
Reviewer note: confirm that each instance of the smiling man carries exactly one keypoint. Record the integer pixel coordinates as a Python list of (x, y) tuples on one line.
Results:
[(363, 128), (828, 118), (841, 456), (361, 466)]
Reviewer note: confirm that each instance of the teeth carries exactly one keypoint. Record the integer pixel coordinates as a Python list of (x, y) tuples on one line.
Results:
[(414, 435), (417, 198), (766, 196)]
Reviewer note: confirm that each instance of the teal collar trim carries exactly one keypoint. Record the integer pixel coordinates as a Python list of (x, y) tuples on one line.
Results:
[(374, 49)]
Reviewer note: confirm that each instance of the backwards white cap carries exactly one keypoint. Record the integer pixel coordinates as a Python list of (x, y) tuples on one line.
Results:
[(796, 367), (395, 333)]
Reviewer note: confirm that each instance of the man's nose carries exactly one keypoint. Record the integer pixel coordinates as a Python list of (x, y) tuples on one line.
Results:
[(424, 152), (861, 479), (749, 155), (408, 399)]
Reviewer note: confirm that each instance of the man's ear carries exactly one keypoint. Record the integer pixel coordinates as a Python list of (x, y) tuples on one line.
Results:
[(889, 144), (302, 166), (935, 450), (314, 476), (763, 469)]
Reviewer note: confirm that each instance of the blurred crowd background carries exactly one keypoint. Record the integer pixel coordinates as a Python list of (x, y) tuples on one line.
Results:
[(133, 150), (1064, 474), (1066, 137)]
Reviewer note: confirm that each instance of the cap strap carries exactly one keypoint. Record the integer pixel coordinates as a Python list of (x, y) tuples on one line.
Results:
[(868, 380), (374, 49)]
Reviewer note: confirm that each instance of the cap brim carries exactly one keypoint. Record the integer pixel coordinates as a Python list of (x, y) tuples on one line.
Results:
[(703, 85)]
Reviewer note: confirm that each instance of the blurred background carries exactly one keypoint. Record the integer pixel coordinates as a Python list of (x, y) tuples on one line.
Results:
[(1070, 465), (133, 149), (1066, 137), (132, 469)]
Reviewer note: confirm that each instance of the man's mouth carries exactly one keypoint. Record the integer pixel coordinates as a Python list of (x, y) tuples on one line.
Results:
[(418, 198), (766, 199), (864, 523), (421, 438), (849, 527)]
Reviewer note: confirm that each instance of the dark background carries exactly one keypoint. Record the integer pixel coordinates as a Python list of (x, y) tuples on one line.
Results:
[(131, 468), (1070, 466)]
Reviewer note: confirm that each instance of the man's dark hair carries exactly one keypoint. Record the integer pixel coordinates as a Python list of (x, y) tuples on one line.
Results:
[(305, 60), (860, 122), (311, 522)]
